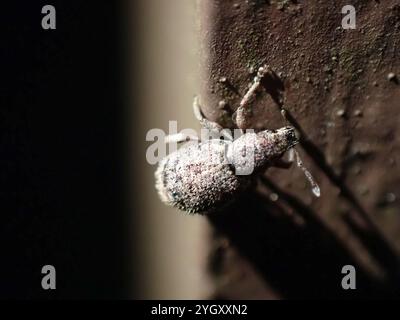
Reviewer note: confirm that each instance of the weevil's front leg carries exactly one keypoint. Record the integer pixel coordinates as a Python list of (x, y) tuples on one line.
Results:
[(242, 113), (262, 71), (179, 138), (207, 124)]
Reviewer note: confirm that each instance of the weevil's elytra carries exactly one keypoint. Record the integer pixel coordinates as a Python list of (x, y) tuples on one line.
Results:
[(202, 176), (190, 181)]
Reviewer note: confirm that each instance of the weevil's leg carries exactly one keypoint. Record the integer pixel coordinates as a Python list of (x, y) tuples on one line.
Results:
[(242, 120), (262, 71), (207, 124), (179, 138)]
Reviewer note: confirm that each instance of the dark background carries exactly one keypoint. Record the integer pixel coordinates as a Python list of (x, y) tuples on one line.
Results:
[(62, 182)]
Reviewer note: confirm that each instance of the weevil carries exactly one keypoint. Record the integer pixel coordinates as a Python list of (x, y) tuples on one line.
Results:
[(201, 176)]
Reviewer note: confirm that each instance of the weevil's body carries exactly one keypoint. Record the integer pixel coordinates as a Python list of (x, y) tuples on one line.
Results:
[(202, 176)]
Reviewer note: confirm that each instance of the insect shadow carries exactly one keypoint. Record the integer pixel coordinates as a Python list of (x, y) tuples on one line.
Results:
[(298, 261), (372, 238)]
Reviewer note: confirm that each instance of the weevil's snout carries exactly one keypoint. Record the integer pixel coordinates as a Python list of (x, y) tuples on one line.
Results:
[(289, 136)]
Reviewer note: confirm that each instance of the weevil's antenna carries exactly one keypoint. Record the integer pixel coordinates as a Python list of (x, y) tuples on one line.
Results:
[(315, 187), (293, 152)]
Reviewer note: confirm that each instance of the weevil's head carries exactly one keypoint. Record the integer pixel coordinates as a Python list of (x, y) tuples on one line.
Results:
[(287, 136), (275, 143)]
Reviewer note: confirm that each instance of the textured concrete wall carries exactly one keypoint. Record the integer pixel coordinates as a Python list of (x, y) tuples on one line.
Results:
[(338, 91)]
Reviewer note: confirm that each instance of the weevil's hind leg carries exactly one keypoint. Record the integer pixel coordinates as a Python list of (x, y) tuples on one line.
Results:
[(207, 124), (179, 138), (243, 111)]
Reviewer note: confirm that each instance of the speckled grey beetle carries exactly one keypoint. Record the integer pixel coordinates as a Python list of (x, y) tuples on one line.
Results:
[(201, 176)]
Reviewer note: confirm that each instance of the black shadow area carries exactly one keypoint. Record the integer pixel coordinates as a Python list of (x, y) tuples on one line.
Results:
[(299, 261), (62, 155)]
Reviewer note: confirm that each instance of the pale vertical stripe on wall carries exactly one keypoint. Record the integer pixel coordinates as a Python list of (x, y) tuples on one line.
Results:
[(172, 245)]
